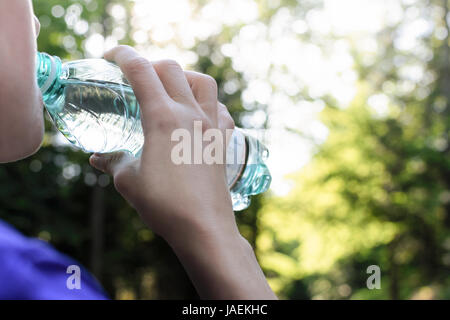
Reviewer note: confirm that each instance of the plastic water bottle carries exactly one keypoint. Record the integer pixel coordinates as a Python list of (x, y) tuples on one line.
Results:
[(94, 107)]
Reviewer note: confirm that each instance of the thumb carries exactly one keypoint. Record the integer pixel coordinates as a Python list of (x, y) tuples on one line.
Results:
[(110, 163)]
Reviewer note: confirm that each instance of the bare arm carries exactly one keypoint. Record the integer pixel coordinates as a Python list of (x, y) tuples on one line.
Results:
[(19, 95), (223, 266)]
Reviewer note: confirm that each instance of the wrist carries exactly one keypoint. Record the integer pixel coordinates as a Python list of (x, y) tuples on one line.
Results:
[(204, 235), (223, 266), (219, 261), (197, 224)]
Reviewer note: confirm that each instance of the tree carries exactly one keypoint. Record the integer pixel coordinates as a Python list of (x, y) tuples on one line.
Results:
[(377, 191)]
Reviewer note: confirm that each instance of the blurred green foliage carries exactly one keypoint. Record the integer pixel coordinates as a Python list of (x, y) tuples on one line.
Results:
[(376, 192)]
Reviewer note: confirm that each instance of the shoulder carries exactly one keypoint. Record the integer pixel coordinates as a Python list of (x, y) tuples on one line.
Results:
[(33, 269)]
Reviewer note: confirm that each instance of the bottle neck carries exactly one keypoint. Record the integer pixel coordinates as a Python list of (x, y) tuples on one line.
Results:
[(48, 69)]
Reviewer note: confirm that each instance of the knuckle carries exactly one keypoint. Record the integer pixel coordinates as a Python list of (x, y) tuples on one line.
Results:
[(137, 64), (225, 117), (123, 47), (210, 109), (169, 64), (164, 119), (206, 123), (108, 165), (209, 82), (229, 122)]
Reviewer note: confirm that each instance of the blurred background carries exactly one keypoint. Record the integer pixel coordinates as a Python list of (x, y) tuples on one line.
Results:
[(354, 99)]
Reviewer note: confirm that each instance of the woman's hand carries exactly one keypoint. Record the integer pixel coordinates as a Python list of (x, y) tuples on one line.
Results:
[(172, 199), (189, 205)]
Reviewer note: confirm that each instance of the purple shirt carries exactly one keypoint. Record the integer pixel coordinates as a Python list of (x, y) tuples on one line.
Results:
[(32, 269)]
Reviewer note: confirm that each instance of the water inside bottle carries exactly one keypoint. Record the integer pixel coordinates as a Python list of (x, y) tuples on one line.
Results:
[(97, 116)]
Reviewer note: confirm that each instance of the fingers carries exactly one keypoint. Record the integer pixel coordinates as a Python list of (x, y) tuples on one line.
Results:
[(174, 80), (154, 83), (204, 89), (226, 122), (111, 163), (142, 76), (224, 117)]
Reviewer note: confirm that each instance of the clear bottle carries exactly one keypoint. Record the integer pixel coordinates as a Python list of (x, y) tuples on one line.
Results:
[(94, 107)]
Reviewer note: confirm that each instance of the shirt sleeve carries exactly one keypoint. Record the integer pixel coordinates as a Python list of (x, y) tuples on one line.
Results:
[(33, 269)]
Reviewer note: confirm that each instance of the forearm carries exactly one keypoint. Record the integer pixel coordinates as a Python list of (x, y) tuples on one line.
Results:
[(223, 266)]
